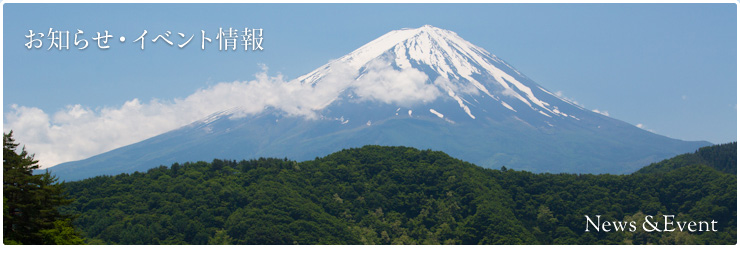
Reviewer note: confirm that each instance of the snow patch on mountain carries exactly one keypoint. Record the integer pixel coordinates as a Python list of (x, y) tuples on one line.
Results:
[(437, 113), (507, 106)]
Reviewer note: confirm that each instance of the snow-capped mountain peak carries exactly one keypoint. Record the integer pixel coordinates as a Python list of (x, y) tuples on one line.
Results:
[(426, 44), (462, 72)]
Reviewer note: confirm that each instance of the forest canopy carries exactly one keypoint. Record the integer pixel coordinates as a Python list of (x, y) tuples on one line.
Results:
[(398, 195)]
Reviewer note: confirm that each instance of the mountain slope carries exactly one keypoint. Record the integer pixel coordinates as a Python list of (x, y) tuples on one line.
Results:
[(722, 157), (392, 195), (426, 88)]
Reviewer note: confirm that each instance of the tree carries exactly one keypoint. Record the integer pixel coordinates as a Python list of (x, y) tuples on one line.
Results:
[(221, 238), (30, 213)]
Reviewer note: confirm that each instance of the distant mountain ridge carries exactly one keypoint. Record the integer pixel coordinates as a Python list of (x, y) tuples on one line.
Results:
[(721, 157), (425, 88)]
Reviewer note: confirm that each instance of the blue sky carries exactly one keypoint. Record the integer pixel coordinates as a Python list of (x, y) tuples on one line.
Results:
[(670, 68)]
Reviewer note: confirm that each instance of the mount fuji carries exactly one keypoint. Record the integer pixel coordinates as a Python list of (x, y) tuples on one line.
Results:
[(426, 88)]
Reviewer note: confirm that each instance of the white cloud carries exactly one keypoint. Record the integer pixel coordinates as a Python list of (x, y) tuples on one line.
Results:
[(604, 113), (78, 132), (383, 83), (510, 92), (640, 125)]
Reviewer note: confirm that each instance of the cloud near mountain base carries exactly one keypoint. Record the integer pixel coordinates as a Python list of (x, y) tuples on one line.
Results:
[(77, 131)]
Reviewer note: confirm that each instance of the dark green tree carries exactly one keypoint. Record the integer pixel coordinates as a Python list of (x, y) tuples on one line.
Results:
[(30, 213)]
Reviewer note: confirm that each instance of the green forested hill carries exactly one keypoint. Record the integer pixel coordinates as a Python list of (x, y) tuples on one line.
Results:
[(391, 195), (722, 157)]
